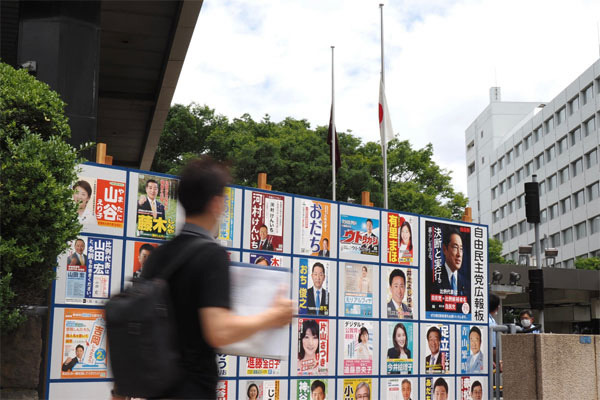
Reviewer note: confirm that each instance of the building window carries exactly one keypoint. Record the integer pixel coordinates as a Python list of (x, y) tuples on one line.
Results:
[(561, 115), (520, 201), (593, 191), (549, 125), (550, 154), (481, 133), (555, 240), (543, 216), (542, 187), (482, 160), (513, 231), (589, 126), (528, 168), (570, 263), (471, 169), (551, 182), (553, 211), (567, 235), (595, 225), (578, 199), (539, 161), (587, 94), (501, 186), (505, 235), (509, 156), (511, 181), (562, 144), (537, 133), (519, 175), (497, 236), (502, 209), (591, 158), (522, 227), (500, 163), (580, 231), (563, 175), (574, 105), (495, 216), (527, 142), (493, 169), (577, 167), (471, 145), (575, 136), (511, 206), (494, 190), (565, 205), (518, 149)]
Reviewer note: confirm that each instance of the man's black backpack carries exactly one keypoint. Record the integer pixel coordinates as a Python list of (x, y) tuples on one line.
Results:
[(142, 336)]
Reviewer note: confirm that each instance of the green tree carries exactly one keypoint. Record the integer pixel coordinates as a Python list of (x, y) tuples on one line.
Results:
[(296, 158), (495, 252), (37, 170), (591, 263)]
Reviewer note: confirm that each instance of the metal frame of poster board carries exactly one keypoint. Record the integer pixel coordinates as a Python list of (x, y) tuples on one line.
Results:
[(358, 249)]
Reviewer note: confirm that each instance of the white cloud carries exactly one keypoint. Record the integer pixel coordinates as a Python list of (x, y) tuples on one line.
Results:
[(441, 58)]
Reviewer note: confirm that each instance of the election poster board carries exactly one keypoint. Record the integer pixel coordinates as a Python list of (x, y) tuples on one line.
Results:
[(438, 387), (354, 272)]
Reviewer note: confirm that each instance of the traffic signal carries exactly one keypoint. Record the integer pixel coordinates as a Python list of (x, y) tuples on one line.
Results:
[(532, 202)]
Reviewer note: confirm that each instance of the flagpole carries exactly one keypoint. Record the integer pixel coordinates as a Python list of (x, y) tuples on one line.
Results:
[(333, 135), (384, 141)]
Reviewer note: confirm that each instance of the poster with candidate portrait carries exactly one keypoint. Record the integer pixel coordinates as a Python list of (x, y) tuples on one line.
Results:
[(267, 260), (227, 365), (360, 236), (359, 286), (453, 273), (265, 218), (400, 388), (83, 344), (437, 387), (313, 286), (400, 233), (399, 297), (437, 352), (313, 346), (315, 226), (226, 390), (357, 388), (399, 347), (141, 252), (230, 222), (263, 390), (472, 349), (358, 345), (312, 389), (472, 388), (156, 206)]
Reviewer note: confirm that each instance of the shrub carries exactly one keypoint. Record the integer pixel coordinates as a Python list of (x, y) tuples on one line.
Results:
[(38, 169)]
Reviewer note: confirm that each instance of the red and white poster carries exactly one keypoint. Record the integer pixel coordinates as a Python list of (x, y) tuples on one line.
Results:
[(266, 222)]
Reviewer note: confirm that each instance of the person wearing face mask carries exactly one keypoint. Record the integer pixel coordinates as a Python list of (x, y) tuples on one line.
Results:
[(526, 319)]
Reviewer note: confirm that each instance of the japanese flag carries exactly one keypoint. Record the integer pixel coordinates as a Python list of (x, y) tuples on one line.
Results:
[(385, 124)]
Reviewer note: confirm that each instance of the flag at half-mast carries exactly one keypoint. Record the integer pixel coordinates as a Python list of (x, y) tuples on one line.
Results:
[(331, 133), (385, 124)]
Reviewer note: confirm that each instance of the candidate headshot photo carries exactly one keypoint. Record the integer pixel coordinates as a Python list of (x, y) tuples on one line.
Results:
[(78, 256), (143, 253), (317, 390), (396, 307), (405, 249), (406, 389), (369, 241), (260, 260), (433, 362), (317, 297), (308, 354), (452, 282), (363, 391), (82, 195), (252, 393), (263, 242), (400, 350), (440, 389), (363, 352), (70, 362), (324, 252), (476, 391), (148, 204), (475, 362)]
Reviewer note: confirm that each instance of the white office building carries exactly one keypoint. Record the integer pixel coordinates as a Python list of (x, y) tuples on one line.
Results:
[(559, 142)]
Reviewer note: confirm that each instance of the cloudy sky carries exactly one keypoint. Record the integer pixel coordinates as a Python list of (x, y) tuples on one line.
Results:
[(441, 57)]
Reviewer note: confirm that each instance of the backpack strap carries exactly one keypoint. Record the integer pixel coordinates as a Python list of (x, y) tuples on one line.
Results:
[(183, 256)]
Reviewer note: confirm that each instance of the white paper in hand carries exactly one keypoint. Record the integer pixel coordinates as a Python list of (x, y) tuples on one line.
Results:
[(253, 289)]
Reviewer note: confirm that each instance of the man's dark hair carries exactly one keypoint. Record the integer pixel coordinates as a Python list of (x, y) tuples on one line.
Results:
[(260, 259), (318, 264), (325, 239), (317, 384), (263, 226), (146, 246), (440, 382), (85, 186), (526, 311), (406, 381), (434, 329), (77, 240), (149, 181), (494, 302), (397, 272), (447, 234), (475, 384), (201, 180), (476, 330), (369, 220), (78, 346)]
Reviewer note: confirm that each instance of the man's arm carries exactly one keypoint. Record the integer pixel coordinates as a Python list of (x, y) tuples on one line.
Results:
[(222, 327)]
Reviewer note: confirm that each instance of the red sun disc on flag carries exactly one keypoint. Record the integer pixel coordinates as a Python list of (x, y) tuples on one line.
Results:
[(380, 113)]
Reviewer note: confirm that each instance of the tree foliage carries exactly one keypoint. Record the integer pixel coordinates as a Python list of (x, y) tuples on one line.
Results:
[(495, 252), (297, 160), (38, 169), (591, 263)]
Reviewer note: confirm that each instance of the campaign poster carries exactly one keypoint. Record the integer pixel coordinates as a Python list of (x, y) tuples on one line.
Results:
[(315, 228), (401, 348), (312, 389), (227, 221), (358, 236), (441, 387), (266, 222), (262, 390), (436, 345), (358, 347), (472, 388), (223, 389), (88, 271), (156, 206), (84, 344), (141, 252), (313, 287), (448, 280), (267, 260), (473, 345), (400, 388), (101, 203), (313, 346), (262, 366), (401, 234), (358, 290), (400, 295), (359, 388), (226, 364)]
